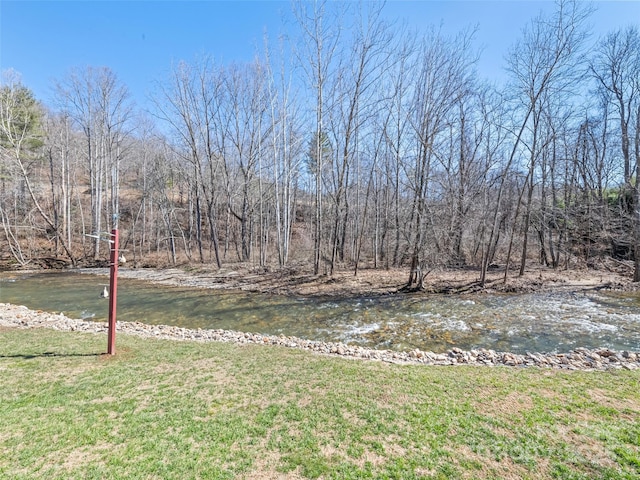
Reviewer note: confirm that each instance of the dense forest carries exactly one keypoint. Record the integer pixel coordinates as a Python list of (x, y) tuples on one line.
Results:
[(353, 143)]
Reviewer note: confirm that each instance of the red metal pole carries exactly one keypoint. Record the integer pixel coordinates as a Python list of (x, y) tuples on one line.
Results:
[(113, 293)]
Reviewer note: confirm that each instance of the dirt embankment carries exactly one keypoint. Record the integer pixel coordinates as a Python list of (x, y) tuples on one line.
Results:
[(298, 281)]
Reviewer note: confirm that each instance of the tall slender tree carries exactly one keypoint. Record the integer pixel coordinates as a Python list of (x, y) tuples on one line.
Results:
[(543, 64), (101, 107)]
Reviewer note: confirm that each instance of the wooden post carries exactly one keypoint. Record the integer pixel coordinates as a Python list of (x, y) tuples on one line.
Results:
[(113, 292)]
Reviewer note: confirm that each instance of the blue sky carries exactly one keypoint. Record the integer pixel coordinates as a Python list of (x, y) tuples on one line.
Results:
[(139, 40)]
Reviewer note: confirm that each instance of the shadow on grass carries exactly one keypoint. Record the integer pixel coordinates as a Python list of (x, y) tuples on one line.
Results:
[(29, 356)]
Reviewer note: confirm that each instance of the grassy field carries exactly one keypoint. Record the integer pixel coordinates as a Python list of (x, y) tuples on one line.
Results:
[(165, 410)]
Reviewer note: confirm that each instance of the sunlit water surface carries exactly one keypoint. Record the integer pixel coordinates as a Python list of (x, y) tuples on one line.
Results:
[(519, 323)]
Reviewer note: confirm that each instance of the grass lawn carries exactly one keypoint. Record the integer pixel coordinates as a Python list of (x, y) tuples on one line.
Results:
[(178, 410)]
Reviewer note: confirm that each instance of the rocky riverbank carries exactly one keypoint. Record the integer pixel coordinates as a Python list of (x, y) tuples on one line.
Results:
[(369, 282), (14, 316)]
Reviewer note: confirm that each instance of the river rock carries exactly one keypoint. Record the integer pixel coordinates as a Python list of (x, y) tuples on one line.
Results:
[(579, 359)]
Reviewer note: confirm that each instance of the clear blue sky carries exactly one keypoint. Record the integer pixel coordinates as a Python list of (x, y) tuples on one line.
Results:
[(139, 40)]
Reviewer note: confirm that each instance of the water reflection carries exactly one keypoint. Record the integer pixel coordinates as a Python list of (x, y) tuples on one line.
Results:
[(517, 323)]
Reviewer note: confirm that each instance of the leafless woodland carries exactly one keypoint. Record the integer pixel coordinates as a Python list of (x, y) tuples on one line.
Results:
[(351, 144)]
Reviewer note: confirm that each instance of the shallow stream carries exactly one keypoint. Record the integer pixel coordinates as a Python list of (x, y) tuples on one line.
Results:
[(541, 322)]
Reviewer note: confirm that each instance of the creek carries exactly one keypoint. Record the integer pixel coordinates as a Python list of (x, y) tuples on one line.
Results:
[(518, 323)]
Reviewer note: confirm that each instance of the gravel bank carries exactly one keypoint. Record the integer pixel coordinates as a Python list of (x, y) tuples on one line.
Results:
[(580, 359)]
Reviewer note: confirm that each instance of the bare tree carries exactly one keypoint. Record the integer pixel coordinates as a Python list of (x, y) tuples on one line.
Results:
[(444, 76), (543, 63), (61, 151), (21, 135), (101, 107), (286, 150), (396, 130), (616, 68), (189, 105), (354, 102), (244, 117), (320, 29)]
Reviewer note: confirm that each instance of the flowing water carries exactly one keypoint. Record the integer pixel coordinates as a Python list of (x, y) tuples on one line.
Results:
[(541, 322)]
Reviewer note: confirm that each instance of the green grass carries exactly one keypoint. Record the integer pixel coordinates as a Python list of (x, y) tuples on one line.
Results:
[(164, 410)]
